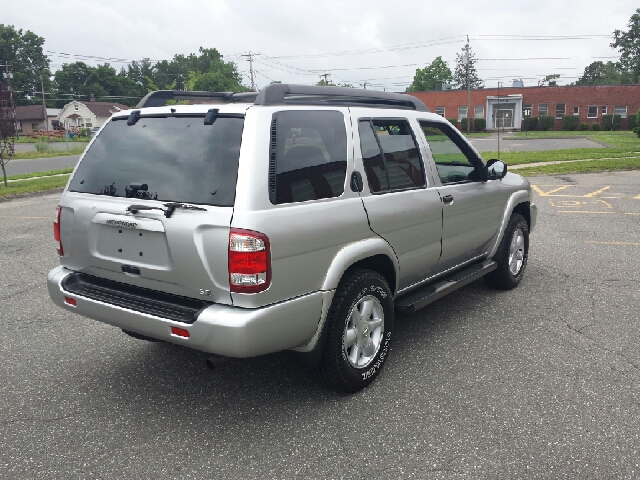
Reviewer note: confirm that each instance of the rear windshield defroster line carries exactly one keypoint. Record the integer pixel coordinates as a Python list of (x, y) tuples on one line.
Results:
[(178, 157)]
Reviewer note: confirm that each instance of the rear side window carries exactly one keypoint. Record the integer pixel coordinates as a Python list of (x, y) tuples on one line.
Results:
[(390, 156), (179, 158), (308, 156)]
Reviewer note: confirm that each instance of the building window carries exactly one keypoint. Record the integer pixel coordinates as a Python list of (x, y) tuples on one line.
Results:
[(35, 126), (87, 122), (592, 112), (478, 111), (462, 113), (440, 111), (620, 110), (561, 109), (75, 107), (527, 110), (576, 110), (543, 109), (604, 109)]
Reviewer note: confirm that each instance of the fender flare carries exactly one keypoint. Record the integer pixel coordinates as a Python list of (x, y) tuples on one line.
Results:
[(517, 197), (355, 252)]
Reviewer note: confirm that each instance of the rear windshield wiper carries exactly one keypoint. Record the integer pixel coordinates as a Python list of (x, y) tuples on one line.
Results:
[(171, 207)]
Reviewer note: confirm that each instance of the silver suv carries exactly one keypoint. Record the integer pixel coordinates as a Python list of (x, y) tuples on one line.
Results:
[(294, 218)]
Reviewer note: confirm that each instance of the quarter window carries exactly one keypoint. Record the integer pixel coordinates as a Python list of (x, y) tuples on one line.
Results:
[(543, 109), (592, 112), (308, 157), (390, 155), (451, 156), (561, 109)]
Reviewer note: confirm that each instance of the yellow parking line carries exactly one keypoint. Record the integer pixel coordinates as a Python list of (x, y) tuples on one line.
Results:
[(545, 194), (615, 243), (593, 194), (637, 198)]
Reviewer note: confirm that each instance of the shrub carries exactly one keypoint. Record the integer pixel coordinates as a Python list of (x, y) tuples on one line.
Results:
[(453, 121), (530, 123), (570, 122), (584, 126), (42, 146), (595, 127), (480, 124), (632, 122), (84, 132), (611, 122), (545, 122), (463, 124)]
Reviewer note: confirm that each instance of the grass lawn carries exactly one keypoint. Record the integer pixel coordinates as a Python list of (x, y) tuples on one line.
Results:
[(73, 150), (581, 167), (75, 139), (44, 182)]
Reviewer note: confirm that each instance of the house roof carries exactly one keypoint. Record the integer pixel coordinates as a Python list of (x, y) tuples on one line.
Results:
[(30, 112), (103, 109)]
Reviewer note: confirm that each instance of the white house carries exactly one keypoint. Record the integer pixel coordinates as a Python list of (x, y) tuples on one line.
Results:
[(77, 114)]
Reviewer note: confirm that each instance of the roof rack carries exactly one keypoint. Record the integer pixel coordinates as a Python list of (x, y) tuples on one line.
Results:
[(283, 94)]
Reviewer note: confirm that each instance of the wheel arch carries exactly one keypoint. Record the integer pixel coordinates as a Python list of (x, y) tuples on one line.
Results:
[(519, 202)]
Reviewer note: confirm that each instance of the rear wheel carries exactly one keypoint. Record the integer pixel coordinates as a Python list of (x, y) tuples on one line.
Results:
[(360, 324), (511, 256)]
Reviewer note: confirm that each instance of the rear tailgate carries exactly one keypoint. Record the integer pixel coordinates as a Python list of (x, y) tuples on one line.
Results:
[(116, 219)]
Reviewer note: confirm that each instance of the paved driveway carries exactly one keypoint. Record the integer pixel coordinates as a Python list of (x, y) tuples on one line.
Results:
[(539, 382)]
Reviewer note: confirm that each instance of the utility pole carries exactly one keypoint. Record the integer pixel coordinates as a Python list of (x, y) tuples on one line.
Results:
[(251, 55), (44, 106), (8, 74), (325, 75), (364, 85), (467, 60)]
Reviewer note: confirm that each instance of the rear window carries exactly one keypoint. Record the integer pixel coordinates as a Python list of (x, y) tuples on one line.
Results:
[(179, 158), (308, 157)]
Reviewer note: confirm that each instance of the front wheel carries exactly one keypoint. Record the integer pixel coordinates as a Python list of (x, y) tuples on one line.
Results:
[(360, 324), (511, 256)]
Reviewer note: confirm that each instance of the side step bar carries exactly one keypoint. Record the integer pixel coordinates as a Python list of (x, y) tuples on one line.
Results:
[(430, 293)]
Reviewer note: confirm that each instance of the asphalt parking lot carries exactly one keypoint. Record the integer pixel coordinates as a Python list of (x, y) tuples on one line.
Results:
[(538, 382)]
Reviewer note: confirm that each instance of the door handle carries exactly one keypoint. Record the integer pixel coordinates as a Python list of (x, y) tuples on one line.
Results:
[(356, 182), (447, 199)]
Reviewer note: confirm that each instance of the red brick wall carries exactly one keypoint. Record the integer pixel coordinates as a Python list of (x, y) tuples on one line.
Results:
[(581, 96)]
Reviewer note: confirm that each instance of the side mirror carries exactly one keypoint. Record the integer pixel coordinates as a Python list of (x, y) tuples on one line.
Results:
[(496, 169)]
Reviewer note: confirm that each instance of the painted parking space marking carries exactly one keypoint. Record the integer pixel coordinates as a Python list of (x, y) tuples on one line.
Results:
[(592, 212), (553, 192), (597, 192)]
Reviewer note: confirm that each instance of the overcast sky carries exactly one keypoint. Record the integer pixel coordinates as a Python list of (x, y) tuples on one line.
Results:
[(353, 40)]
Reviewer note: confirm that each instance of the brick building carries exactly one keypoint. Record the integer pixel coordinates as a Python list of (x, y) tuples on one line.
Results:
[(507, 106)]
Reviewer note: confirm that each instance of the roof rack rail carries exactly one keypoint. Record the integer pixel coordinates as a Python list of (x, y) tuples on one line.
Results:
[(284, 94), (159, 97)]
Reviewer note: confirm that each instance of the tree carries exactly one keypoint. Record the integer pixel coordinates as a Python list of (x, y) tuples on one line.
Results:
[(599, 73), (7, 127), (628, 43), (425, 79), (23, 52), (460, 74), (549, 80)]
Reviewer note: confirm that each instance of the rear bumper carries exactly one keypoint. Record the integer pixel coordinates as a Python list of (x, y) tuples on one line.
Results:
[(220, 329)]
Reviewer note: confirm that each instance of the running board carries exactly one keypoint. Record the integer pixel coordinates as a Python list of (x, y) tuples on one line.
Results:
[(426, 295)]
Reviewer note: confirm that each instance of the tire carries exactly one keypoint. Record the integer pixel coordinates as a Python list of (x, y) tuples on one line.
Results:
[(357, 346), (511, 256)]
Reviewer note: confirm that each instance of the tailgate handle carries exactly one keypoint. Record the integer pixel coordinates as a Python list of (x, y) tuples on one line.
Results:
[(130, 269)]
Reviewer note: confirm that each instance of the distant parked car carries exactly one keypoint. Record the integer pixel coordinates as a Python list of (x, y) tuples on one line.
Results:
[(94, 130)]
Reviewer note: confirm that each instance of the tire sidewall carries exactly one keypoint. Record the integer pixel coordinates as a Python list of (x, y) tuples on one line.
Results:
[(370, 285), (521, 223)]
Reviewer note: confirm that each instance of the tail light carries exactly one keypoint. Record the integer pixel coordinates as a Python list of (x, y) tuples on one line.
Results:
[(249, 261), (56, 232)]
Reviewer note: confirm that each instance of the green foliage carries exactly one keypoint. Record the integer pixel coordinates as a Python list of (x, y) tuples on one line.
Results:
[(550, 80), (584, 127), (453, 121), (480, 124), (425, 79), (628, 43), (611, 122), (545, 122), (463, 124), (84, 132), (570, 122), (632, 122), (42, 147), (595, 126), (23, 51), (530, 123), (460, 73), (599, 73)]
